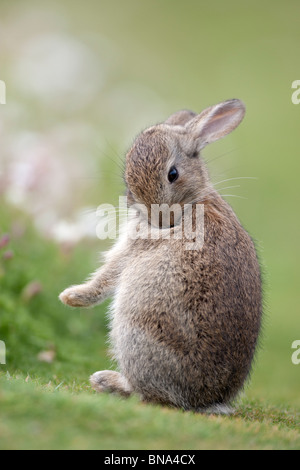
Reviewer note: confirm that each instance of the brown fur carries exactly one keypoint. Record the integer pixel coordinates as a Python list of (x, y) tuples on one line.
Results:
[(184, 323)]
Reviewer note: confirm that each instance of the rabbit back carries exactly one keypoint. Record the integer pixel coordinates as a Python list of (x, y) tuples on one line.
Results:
[(185, 323)]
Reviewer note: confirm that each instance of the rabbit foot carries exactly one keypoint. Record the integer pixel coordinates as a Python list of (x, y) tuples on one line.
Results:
[(219, 409), (110, 381), (78, 296)]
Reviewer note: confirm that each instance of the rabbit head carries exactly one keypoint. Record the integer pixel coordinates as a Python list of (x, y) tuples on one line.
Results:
[(164, 164)]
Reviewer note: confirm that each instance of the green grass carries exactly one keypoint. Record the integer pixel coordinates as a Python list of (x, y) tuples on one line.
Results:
[(35, 416)]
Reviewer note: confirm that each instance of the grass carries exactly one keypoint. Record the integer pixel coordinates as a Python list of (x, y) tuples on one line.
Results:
[(72, 418)]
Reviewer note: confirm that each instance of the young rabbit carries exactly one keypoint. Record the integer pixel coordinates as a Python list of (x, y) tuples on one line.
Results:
[(184, 321)]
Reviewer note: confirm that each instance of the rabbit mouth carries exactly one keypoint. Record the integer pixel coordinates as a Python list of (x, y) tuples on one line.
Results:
[(165, 219), (159, 216), (161, 222)]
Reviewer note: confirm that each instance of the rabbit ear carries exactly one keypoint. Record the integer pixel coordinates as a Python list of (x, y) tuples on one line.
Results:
[(216, 122), (180, 118)]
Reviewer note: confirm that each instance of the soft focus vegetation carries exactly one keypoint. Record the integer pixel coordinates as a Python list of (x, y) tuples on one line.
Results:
[(82, 80)]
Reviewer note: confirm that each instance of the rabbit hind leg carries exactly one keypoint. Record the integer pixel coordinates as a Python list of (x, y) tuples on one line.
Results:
[(110, 381)]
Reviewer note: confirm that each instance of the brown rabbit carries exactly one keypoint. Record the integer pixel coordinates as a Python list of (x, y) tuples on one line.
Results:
[(184, 321)]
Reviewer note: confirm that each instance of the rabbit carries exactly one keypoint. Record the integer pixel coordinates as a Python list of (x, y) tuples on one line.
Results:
[(184, 323)]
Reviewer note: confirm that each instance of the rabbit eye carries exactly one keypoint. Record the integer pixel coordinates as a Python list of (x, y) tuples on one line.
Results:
[(173, 174)]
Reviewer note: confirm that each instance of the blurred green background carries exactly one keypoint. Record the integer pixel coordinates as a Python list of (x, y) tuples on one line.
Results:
[(83, 78)]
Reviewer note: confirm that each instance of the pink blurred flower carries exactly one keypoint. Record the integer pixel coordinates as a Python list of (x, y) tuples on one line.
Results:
[(4, 240)]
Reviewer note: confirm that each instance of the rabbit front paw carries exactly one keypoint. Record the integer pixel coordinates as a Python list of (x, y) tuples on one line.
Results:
[(77, 296)]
